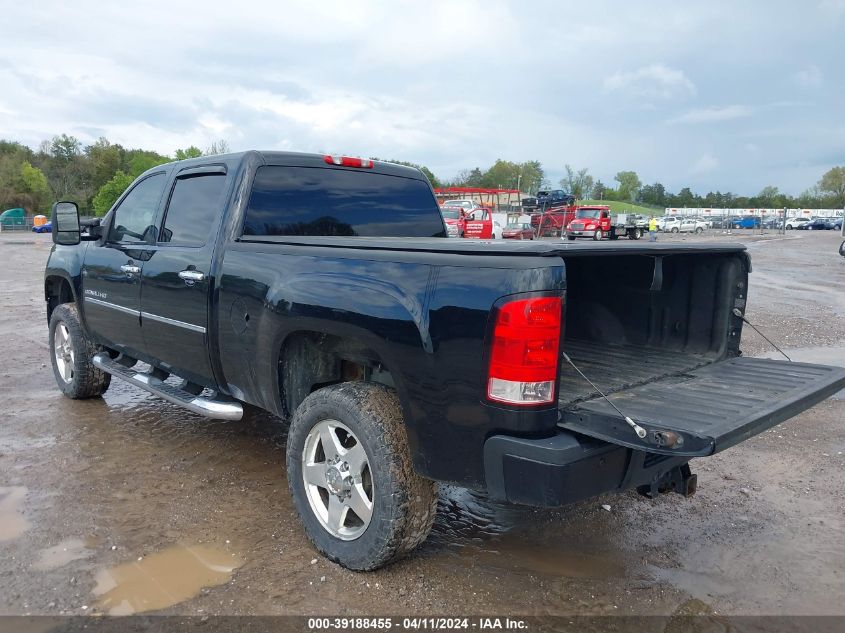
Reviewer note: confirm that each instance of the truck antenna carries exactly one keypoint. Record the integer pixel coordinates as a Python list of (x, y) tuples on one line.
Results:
[(640, 431)]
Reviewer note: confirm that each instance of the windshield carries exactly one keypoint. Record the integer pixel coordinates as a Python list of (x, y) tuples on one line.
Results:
[(588, 213), (449, 214), (515, 226)]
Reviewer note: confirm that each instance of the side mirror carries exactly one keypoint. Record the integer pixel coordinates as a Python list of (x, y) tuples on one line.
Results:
[(66, 224)]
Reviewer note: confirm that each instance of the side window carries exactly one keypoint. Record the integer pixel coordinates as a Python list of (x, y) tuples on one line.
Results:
[(133, 219), (193, 209)]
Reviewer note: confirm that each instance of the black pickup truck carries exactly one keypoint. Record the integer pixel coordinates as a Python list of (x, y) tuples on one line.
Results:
[(324, 290)]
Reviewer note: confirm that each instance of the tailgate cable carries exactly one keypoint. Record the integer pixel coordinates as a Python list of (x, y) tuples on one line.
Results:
[(640, 431), (738, 313)]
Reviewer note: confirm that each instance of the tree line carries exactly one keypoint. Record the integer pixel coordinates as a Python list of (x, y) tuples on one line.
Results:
[(95, 175), (63, 168)]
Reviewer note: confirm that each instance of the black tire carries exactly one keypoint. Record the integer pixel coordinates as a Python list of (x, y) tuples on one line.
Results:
[(403, 505), (598, 235), (699, 230), (635, 234), (842, 248), (675, 229), (85, 381), (571, 238)]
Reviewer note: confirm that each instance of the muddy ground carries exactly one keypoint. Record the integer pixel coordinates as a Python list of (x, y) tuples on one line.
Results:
[(128, 504)]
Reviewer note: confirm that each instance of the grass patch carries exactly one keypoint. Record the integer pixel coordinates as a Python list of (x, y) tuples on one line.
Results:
[(624, 207)]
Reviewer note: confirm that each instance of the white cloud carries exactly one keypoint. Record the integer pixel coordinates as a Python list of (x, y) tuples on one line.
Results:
[(809, 77), (714, 114), (706, 163), (655, 81)]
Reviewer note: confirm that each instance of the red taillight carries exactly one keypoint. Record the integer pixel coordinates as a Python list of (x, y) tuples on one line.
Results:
[(348, 161), (524, 354)]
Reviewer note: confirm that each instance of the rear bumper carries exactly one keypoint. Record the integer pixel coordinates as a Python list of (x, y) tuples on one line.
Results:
[(566, 468)]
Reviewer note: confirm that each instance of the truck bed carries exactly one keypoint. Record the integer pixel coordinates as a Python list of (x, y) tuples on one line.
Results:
[(614, 367)]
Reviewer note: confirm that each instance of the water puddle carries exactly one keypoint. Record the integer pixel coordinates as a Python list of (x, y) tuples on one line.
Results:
[(12, 521), (62, 554), (549, 559), (162, 579)]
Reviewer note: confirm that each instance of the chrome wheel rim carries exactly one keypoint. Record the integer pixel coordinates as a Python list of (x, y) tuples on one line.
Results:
[(338, 481), (63, 351)]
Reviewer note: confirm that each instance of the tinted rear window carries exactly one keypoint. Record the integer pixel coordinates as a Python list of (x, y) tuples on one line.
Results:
[(317, 201)]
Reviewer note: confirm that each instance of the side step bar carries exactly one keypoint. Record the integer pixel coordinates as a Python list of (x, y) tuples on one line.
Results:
[(217, 409)]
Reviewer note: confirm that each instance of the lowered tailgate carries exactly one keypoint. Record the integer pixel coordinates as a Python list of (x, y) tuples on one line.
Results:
[(707, 410)]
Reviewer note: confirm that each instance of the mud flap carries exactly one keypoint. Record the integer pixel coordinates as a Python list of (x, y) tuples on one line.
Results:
[(709, 409)]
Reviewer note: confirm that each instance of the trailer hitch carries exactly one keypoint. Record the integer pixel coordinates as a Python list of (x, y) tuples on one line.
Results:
[(680, 479)]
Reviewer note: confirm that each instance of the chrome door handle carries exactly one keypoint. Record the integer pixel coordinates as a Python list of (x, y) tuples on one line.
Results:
[(191, 276), (130, 269)]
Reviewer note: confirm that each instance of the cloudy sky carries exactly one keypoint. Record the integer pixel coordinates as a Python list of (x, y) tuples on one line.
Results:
[(713, 95)]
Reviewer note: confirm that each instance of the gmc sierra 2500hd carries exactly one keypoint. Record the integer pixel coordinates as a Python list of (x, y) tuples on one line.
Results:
[(322, 289)]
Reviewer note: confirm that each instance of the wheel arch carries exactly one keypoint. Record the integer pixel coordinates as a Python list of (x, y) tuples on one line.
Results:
[(309, 359), (58, 289)]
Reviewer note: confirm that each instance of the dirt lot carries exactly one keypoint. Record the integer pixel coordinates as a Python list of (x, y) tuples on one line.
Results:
[(128, 504)]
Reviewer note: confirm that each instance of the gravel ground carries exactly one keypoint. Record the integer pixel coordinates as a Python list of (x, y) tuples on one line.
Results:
[(128, 504)]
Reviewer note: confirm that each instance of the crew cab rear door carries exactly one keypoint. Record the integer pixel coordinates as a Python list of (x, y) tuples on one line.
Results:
[(176, 282), (706, 410), (111, 272)]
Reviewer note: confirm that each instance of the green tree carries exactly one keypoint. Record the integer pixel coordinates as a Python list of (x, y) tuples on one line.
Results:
[(502, 174), (685, 198), (629, 185), (579, 183), (105, 160), (833, 183), (654, 194), (599, 190), (34, 183), (188, 152), (110, 192), (137, 161)]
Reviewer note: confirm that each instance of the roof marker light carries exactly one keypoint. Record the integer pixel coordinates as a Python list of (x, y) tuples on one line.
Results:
[(348, 161)]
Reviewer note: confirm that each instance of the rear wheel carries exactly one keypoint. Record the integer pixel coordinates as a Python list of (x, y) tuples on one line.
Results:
[(698, 230), (598, 235), (70, 352), (635, 234), (351, 478)]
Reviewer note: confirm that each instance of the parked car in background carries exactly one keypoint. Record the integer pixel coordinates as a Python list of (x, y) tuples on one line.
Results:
[(746, 222), (773, 223), (817, 224), (691, 225), (453, 221), (837, 224), (47, 227), (669, 223), (518, 231), (795, 223)]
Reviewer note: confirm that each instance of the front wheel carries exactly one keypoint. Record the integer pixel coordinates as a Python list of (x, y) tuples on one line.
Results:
[(351, 478), (70, 352), (699, 230), (675, 229), (598, 235)]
